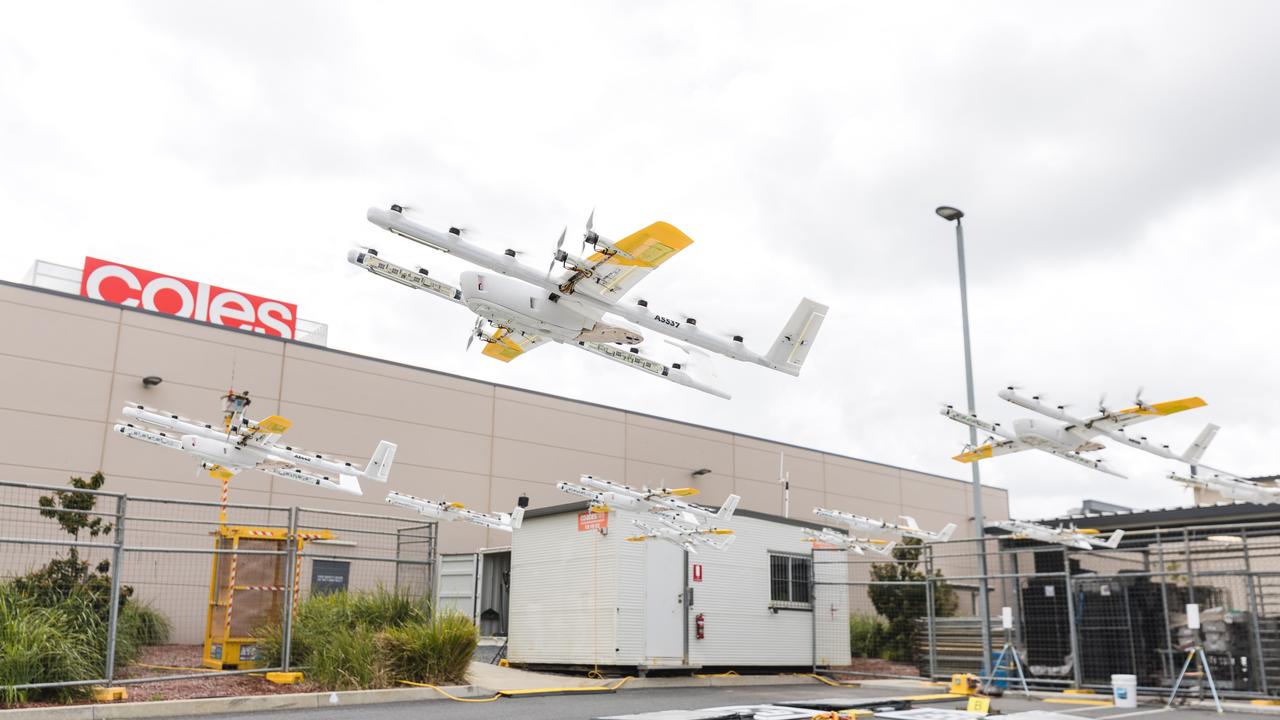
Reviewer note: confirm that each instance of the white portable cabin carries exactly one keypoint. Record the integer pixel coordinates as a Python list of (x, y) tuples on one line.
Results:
[(582, 596)]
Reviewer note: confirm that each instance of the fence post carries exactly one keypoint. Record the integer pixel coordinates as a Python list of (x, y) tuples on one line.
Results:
[(1252, 591), (813, 601), (1168, 661), (933, 646), (291, 589), (1071, 620), (117, 566)]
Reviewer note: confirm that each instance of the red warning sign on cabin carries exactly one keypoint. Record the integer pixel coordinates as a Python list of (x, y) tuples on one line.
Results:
[(588, 521)]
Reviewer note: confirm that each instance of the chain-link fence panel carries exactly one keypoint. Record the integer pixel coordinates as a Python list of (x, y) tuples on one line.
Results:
[(1072, 616), (149, 590)]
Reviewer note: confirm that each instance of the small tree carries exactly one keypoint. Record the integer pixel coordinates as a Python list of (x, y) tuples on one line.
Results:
[(901, 604), (73, 509)]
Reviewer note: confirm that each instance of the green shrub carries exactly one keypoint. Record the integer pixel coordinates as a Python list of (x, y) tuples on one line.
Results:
[(41, 644), (143, 624), (346, 658), (898, 593), (436, 652), (350, 640), (867, 635)]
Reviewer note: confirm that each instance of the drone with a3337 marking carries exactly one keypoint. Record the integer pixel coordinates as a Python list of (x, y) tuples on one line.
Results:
[(578, 301)]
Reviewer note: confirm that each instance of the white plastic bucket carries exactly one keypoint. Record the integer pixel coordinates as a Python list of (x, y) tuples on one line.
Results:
[(1124, 690)]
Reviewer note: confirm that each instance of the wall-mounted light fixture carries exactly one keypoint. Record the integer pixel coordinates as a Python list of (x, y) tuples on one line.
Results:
[(152, 380), (700, 472)]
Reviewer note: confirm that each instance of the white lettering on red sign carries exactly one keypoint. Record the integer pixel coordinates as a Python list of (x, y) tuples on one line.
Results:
[(134, 287), (697, 572)]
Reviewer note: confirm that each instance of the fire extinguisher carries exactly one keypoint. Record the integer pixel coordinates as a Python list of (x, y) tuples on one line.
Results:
[(700, 626)]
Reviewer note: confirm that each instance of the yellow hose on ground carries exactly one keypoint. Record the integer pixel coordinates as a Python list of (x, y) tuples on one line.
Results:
[(445, 693)]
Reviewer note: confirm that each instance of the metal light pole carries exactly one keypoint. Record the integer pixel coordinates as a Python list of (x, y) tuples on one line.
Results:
[(984, 611)]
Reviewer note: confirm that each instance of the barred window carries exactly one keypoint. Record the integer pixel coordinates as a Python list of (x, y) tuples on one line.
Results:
[(789, 581)]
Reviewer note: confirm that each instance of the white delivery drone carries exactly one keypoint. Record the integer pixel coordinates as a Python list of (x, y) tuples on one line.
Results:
[(241, 444), (837, 539), (1070, 436), (1070, 536), (525, 307), (451, 511), (1232, 486), (865, 524), (605, 494), (688, 537)]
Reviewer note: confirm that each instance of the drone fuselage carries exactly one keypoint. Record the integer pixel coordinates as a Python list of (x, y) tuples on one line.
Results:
[(520, 307), (1040, 434)]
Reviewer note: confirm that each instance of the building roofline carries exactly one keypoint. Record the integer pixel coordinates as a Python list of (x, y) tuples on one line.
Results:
[(348, 353), (1173, 517)]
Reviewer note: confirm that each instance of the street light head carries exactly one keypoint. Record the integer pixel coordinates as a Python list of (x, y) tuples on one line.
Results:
[(949, 213)]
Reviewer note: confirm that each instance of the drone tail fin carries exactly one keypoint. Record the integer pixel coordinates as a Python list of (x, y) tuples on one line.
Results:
[(1196, 451), (517, 517), (1113, 542), (379, 467), (910, 521), (727, 509), (945, 533), (797, 336)]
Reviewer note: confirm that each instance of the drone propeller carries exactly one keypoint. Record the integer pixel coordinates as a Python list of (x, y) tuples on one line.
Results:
[(475, 332), (1102, 404), (558, 255), (1137, 399), (590, 235)]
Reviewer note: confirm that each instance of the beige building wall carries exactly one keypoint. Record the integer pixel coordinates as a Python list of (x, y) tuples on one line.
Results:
[(68, 365)]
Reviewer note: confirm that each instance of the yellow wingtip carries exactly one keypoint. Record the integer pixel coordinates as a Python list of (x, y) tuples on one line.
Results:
[(683, 492), (637, 538), (275, 424), (1167, 407), (981, 453)]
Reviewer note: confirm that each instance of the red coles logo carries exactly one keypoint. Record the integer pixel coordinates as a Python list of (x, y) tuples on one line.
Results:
[(135, 287)]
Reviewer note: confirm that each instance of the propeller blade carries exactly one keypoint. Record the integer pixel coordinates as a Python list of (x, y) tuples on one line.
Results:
[(591, 219), (556, 255), (474, 332)]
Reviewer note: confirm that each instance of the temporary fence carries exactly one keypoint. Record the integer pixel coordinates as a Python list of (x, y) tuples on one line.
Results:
[(1078, 616), (217, 583)]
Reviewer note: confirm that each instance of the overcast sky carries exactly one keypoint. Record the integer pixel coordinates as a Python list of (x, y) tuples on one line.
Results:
[(1119, 164)]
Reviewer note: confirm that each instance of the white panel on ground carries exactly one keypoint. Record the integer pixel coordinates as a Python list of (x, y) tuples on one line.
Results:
[(664, 605)]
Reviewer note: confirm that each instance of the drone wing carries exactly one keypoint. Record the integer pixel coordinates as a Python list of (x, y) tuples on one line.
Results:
[(508, 346), (1077, 458), (268, 430), (220, 472), (982, 452), (612, 276), (1141, 413)]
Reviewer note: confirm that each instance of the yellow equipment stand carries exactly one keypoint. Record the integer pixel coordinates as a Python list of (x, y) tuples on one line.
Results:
[(247, 592)]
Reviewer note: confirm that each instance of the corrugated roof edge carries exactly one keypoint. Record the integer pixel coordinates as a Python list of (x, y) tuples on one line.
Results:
[(1170, 517), (22, 286)]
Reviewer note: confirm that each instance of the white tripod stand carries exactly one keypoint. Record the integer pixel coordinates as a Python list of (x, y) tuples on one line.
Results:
[(1193, 622), (1006, 621)]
